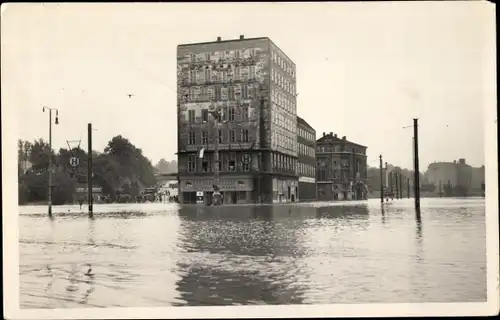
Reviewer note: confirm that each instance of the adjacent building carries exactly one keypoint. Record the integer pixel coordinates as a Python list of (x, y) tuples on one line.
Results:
[(306, 166), (341, 172), (252, 83)]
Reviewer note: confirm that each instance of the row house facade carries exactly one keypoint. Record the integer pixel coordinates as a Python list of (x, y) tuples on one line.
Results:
[(306, 168), (251, 82), (341, 172)]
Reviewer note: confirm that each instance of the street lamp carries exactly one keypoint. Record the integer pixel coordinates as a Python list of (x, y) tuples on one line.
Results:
[(50, 152)]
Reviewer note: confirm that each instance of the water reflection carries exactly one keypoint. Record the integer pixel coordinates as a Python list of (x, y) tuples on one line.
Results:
[(240, 257), (291, 254)]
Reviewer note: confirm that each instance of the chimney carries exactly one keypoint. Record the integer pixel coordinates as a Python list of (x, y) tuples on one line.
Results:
[(455, 161), (343, 138), (324, 134), (335, 135), (331, 133), (242, 37), (219, 39), (461, 161)]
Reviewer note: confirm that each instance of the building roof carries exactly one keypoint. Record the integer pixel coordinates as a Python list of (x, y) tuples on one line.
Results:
[(236, 40), (222, 41), (333, 138), (304, 123)]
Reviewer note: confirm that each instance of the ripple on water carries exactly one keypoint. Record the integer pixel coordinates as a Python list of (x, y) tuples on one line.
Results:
[(161, 255)]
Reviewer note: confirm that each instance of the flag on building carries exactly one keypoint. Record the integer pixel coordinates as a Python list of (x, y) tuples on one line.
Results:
[(201, 153)]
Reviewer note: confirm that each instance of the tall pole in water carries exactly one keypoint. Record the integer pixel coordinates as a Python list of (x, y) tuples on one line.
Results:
[(217, 116), (396, 184), (381, 181), (50, 155), (391, 180), (416, 165), (89, 171), (216, 151), (400, 186), (408, 186)]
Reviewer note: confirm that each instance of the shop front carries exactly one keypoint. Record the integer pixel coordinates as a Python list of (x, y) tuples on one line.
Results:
[(233, 190), (285, 190)]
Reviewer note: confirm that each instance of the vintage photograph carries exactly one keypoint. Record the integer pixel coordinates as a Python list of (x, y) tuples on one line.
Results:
[(328, 157)]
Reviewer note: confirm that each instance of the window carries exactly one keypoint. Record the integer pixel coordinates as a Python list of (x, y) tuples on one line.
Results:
[(224, 114), (245, 91), (244, 113), (244, 135), (231, 114), (204, 115), (204, 166), (246, 166), (232, 136), (232, 163), (251, 74), (204, 137), (191, 116), (192, 138), (191, 163), (221, 136)]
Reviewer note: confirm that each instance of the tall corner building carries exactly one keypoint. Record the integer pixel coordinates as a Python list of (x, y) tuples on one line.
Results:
[(253, 83)]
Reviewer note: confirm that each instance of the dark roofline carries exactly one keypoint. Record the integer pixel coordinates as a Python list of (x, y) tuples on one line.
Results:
[(340, 139), (304, 122), (222, 41)]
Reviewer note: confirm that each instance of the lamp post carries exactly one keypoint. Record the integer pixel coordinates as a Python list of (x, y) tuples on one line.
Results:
[(50, 152)]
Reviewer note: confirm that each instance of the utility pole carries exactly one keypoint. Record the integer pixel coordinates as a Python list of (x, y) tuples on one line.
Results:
[(416, 165), (440, 189), (216, 151), (89, 171), (408, 186), (217, 116), (391, 184), (400, 186), (50, 155), (396, 184), (381, 181)]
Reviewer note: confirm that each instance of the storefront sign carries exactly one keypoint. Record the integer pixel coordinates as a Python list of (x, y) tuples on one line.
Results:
[(85, 189)]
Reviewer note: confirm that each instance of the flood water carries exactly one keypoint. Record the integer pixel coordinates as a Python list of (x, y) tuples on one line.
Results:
[(146, 255)]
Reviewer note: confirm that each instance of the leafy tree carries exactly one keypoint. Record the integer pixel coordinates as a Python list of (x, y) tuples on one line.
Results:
[(39, 155), (23, 152), (121, 166)]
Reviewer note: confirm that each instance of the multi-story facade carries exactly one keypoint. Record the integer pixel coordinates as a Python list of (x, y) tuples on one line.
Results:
[(252, 83), (306, 166), (341, 172)]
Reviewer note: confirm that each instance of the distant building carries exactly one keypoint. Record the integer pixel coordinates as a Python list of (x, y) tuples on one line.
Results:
[(341, 172), (448, 176), (252, 83), (306, 167)]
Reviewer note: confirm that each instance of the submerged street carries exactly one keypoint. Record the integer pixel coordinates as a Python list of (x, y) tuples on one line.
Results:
[(149, 255)]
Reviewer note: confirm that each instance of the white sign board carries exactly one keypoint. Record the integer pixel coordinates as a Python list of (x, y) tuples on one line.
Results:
[(74, 161)]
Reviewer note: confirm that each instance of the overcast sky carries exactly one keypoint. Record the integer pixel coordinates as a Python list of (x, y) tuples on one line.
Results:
[(364, 70)]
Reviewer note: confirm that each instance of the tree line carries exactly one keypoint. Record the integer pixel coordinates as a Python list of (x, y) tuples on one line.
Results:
[(120, 169)]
